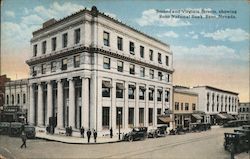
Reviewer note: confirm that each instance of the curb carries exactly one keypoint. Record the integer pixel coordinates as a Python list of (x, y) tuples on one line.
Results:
[(91, 143)]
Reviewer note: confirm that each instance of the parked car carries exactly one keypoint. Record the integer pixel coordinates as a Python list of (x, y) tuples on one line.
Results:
[(247, 127), (236, 142), (30, 131), (4, 128), (236, 123), (137, 133), (15, 129)]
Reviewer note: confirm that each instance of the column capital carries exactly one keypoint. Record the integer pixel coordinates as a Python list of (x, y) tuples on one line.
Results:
[(84, 77)]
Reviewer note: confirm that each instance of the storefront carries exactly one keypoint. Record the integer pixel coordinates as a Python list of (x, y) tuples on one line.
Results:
[(13, 114)]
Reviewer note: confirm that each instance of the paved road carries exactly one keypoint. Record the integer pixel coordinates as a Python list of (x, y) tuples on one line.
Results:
[(205, 145)]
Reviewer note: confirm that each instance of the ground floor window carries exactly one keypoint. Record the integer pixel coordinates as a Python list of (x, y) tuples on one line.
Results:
[(141, 116), (131, 117), (105, 117), (158, 111), (150, 116), (119, 115)]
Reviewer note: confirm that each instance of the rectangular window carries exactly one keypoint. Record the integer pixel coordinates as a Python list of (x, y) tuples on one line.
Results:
[(132, 69), (105, 117), (132, 48), (142, 51), (53, 43), (34, 73), (131, 117), (159, 58), (119, 90), (44, 47), (181, 106), (131, 92), (119, 43), (167, 77), (106, 63), (106, 38), (65, 40), (119, 119), (53, 66), (151, 74), (176, 105), (77, 61), (142, 91), (151, 55), (160, 76), (77, 35), (151, 94), (43, 68), (167, 96), (158, 111), (167, 61), (186, 106), (193, 106), (24, 98), (106, 86), (35, 50), (141, 116), (119, 66), (64, 64), (142, 72), (159, 95), (150, 116)]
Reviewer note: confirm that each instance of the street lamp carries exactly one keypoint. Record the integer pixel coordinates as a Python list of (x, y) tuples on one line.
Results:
[(119, 122)]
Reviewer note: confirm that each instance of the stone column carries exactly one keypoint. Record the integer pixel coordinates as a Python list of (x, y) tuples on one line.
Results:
[(136, 104), (72, 103), (126, 105), (146, 106), (155, 107), (49, 101), (85, 102), (40, 105), (113, 105), (93, 104), (59, 104), (32, 105)]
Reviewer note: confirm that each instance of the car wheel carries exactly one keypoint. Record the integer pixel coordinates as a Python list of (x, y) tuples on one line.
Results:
[(130, 138)]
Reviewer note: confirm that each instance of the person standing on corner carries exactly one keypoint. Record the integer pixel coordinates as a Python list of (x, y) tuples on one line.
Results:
[(95, 135), (88, 135), (82, 132), (111, 132), (24, 138)]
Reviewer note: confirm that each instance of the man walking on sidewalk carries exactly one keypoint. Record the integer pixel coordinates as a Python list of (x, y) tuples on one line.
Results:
[(88, 135), (24, 138), (95, 135)]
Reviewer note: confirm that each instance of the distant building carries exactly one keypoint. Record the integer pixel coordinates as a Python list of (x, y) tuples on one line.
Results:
[(3, 80), (244, 111), (16, 100), (91, 70), (218, 104)]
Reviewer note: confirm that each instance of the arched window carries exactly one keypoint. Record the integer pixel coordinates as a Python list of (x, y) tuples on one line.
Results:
[(7, 99), (24, 98), (18, 99), (12, 99)]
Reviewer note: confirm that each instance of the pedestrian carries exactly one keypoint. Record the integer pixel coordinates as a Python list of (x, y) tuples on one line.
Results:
[(82, 131), (70, 131), (88, 135), (111, 132), (95, 135), (24, 138)]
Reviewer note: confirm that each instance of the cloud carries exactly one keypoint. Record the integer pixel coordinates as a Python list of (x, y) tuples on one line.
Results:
[(170, 34), (10, 14), (234, 35), (151, 17), (195, 36)]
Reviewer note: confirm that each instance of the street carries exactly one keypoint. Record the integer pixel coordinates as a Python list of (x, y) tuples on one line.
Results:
[(205, 145)]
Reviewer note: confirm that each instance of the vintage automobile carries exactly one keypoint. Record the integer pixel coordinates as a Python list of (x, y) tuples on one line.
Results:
[(153, 133), (160, 131), (247, 127), (137, 133), (236, 142), (236, 123), (4, 128), (15, 129), (30, 131)]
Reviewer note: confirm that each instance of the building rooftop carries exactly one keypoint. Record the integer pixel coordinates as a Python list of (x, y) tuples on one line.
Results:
[(216, 89), (94, 12)]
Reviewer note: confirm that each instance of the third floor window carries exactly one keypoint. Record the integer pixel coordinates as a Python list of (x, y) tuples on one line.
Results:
[(77, 61), (132, 69), (142, 51), (64, 64), (65, 39), (35, 50), (44, 47), (53, 43), (119, 43), (159, 58), (142, 72), (167, 61), (151, 55), (132, 48), (53, 66), (77, 35), (119, 66), (106, 38), (106, 63), (43, 68), (151, 74)]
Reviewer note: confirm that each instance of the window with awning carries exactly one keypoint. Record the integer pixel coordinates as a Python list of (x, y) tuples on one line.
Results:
[(119, 90)]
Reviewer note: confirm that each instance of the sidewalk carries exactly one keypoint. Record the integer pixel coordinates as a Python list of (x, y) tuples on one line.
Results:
[(75, 140), (243, 155)]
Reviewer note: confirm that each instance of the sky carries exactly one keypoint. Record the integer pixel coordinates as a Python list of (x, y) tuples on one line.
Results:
[(209, 39)]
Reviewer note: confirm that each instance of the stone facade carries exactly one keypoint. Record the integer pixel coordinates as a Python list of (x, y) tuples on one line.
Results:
[(88, 68), (244, 111)]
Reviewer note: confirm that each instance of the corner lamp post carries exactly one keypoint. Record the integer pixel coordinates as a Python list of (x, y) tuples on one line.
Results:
[(119, 126)]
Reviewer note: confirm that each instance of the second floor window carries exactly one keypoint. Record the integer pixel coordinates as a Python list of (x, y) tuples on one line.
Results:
[(43, 68), (106, 38), (119, 43), (106, 86), (119, 66), (186, 106), (53, 66), (132, 69), (151, 74), (142, 91), (64, 64), (142, 51), (35, 50), (166, 96), (142, 71), (77, 35), (119, 90), (193, 106), (151, 55), (151, 94), (53, 43), (77, 61), (44, 47), (159, 95), (159, 58), (106, 63), (34, 73), (159, 76), (131, 92), (167, 78), (131, 48), (176, 105), (65, 39)]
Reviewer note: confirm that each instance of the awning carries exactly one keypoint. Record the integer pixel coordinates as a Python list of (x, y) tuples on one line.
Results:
[(221, 116), (229, 116), (120, 86), (106, 84), (150, 88), (132, 86), (142, 88), (159, 90), (197, 116), (165, 119)]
